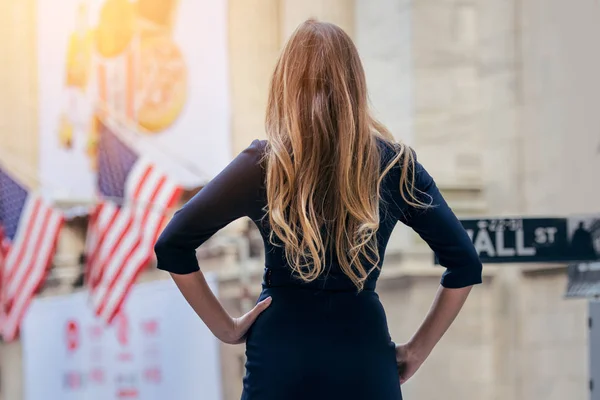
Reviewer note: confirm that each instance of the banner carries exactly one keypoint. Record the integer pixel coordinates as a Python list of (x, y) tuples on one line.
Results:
[(535, 240), (154, 71), (158, 348)]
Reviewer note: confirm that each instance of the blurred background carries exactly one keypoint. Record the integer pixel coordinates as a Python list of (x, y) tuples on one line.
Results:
[(114, 112)]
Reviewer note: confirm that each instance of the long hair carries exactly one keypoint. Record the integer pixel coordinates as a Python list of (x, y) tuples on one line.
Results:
[(323, 162)]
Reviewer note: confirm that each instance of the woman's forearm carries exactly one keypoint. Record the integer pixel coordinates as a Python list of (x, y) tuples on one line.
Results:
[(196, 291), (446, 306), (230, 330)]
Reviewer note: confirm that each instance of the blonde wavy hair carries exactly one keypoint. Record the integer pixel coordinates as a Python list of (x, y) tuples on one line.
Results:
[(323, 162)]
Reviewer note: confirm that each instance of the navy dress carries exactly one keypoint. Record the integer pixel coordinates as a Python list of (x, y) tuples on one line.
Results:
[(318, 340)]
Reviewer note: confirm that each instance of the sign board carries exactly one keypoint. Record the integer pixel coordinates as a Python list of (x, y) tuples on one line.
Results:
[(157, 348), (535, 240), (584, 280)]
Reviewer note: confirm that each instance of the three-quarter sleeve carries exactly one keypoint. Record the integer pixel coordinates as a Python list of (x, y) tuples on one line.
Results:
[(230, 195), (439, 227)]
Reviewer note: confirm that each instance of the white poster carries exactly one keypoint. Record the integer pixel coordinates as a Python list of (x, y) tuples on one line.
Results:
[(155, 71), (157, 349)]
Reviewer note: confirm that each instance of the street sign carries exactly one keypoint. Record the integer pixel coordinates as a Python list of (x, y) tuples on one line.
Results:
[(535, 240), (583, 280)]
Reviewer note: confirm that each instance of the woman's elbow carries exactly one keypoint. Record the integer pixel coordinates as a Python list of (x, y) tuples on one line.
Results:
[(473, 268), (175, 256), (163, 244), (168, 249), (463, 271)]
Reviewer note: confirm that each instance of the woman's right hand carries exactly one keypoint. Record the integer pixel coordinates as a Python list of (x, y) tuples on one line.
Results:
[(241, 325), (200, 297), (408, 360)]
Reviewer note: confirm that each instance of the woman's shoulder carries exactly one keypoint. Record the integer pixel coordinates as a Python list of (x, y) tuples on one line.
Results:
[(251, 161), (390, 149), (259, 144), (411, 168), (255, 151)]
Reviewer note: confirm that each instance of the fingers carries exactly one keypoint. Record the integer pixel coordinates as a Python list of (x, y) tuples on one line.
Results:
[(244, 323), (259, 308), (405, 375), (402, 372)]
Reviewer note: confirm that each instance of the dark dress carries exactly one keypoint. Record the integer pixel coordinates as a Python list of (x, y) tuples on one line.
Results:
[(321, 340)]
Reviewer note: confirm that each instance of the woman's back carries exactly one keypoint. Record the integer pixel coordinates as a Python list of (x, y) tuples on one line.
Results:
[(326, 191), (324, 331)]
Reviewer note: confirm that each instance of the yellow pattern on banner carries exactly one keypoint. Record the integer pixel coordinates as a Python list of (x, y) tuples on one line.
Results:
[(139, 71)]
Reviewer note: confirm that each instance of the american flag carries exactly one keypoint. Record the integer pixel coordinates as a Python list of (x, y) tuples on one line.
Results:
[(4, 245), (125, 225), (30, 229)]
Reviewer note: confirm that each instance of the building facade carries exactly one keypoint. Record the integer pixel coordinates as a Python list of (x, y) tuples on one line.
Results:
[(498, 99)]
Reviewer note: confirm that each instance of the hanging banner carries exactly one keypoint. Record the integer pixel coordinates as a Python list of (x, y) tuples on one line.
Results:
[(535, 240), (157, 348), (154, 71)]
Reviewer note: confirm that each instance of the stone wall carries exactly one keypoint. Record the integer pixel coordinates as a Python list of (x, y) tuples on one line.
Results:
[(559, 119), (553, 340)]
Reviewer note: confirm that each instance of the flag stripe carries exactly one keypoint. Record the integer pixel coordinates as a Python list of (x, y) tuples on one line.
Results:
[(117, 231), (23, 236), (124, 230), (115, 245), (91, 239), (29, 277), (124, 270), (119, 296), (112, 223), (140, 179), (126, 265), (114, 232), (31, 248), (33, 282), (107, 215), (129, 274), (129, 241), (110, 267), (3, 252), (41, 259)]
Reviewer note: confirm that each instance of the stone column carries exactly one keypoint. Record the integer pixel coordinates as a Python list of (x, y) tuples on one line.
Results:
[(19, 135), (254, 40), (500, 79), (447, 91), (383, 37)]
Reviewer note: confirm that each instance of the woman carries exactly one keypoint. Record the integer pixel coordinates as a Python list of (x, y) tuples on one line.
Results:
[(325, 190)]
